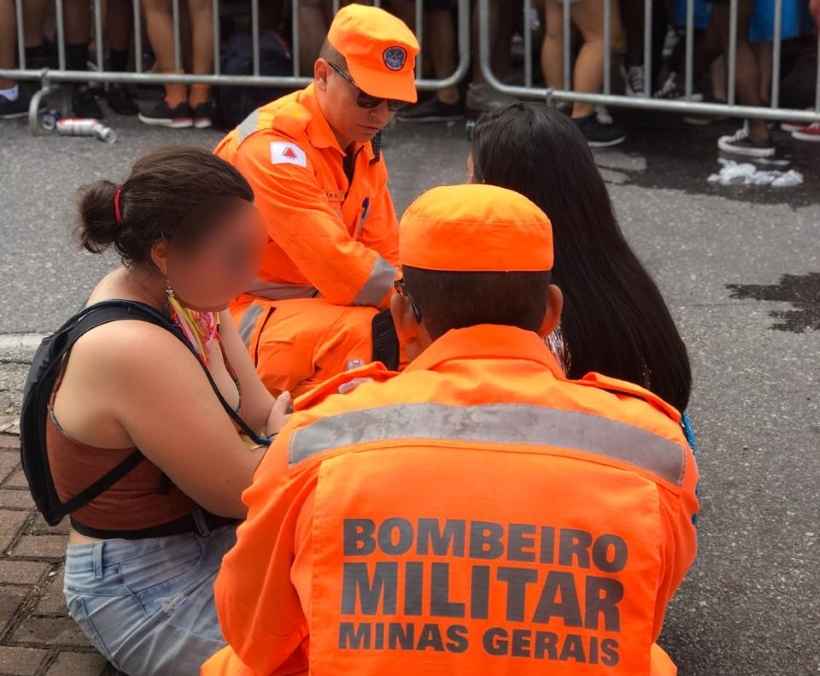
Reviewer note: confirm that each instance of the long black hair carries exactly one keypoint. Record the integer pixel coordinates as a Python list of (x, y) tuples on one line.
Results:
[(615, 320)]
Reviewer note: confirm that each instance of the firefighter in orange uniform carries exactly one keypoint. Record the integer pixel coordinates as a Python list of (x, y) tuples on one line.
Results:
[(319, 178), (478, 513)]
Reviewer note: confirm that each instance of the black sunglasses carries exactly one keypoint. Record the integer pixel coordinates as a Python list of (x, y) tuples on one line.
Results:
[(401, 289), (365, 100)]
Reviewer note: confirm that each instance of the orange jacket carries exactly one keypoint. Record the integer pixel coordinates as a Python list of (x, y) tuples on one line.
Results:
[(477, 514), (327, 235)]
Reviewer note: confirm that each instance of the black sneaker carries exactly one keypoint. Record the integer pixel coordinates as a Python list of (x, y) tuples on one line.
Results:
[(741, 143), (11, 109), (203, 115), (599, 135), (84, 103), (161, 115), (120, 100), (432, 110)]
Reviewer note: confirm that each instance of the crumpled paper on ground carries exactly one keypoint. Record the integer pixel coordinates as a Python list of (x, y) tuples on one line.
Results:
[(745, 173)]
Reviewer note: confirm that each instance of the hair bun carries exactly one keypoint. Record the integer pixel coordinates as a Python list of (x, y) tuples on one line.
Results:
[(98, 228)]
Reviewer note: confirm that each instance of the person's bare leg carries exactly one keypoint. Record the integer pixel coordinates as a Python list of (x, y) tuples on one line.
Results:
[(34, 18), (718, 74), (442, 35), (118, 25), (77, 22), (159, 23), (747, 70), (201, 12), (764, 55), (552, 49), (503, 21), (589, 65)]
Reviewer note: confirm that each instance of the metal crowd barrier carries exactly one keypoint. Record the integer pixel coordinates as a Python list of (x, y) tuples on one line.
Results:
[(51, 78), (646, 102)]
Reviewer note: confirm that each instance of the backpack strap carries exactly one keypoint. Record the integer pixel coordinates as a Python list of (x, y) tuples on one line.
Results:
[(108, 311), (64, 340)]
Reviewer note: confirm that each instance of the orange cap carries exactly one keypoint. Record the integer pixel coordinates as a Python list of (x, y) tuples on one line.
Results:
[(475, 228), (380, 51)]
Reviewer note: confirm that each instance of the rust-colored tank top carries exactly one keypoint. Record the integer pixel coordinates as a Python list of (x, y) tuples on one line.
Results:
[(144, 498)]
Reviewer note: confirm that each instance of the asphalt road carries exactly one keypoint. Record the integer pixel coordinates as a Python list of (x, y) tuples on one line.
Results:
[(751, 604)]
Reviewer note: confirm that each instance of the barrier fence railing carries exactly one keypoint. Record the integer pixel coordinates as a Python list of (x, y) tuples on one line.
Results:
[(52, 78), (685, 105)]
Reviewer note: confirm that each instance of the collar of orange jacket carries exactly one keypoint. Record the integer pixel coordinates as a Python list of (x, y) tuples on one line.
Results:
[(487, 341), (319, 130)]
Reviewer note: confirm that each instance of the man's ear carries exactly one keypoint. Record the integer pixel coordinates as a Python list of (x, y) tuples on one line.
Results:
[(412, 335), (320, 73), (555, 304)]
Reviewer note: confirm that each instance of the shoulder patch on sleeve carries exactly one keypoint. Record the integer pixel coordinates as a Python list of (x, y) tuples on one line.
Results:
[(282, 152)]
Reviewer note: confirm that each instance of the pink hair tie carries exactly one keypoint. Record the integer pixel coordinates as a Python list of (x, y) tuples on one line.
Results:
[(117, 210)]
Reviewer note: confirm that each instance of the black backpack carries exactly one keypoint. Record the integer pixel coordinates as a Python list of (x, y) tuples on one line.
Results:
[(234, 104), (45, 369)]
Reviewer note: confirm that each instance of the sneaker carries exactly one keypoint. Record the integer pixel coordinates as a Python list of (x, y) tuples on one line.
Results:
[(792, 127), (11, 109), (599, 135), (633, 78), (810, 133), (161, 115), (671, 90), (84, 103), (603, 115), (482, 99), (203, 115), (740, 143), (432, 110), (120, 100)]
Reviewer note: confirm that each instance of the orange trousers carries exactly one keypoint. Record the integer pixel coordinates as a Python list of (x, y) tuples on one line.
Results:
[(297, 344)]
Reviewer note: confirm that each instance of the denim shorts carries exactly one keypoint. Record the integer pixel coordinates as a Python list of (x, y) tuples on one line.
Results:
[(148, 605)]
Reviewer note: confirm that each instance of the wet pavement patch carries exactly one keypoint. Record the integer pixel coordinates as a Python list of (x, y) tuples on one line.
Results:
[(802, 291)]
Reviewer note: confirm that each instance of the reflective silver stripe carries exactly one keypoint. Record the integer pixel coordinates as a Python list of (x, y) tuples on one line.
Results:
[(493, 423), (377, 285), (249, 125), (273, 291), (248, 323)]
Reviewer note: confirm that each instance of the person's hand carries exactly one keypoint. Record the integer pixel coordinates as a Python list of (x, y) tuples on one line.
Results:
[(279, 414)]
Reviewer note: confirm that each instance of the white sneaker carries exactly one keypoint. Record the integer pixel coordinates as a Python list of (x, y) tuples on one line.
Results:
[(740, 143), (633, 78), (603, 115), (672, 91)]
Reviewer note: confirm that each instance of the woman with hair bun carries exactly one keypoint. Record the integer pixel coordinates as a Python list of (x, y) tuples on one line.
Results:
[(142, 555)]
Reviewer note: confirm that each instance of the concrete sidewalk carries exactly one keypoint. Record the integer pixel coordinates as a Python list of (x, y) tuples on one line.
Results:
[(739, 268)]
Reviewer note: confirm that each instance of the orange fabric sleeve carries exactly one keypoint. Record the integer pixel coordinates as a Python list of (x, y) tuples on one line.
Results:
[(300, 219), (259, 608)]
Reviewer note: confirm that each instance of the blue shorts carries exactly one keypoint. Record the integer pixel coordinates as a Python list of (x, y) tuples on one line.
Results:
[(796, 19), (148, 605)]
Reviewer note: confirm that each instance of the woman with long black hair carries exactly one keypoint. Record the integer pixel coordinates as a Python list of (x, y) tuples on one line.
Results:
[(615, 320)]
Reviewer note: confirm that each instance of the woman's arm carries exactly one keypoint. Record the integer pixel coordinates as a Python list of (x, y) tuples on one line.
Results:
[(256, 400), (158, 393)]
